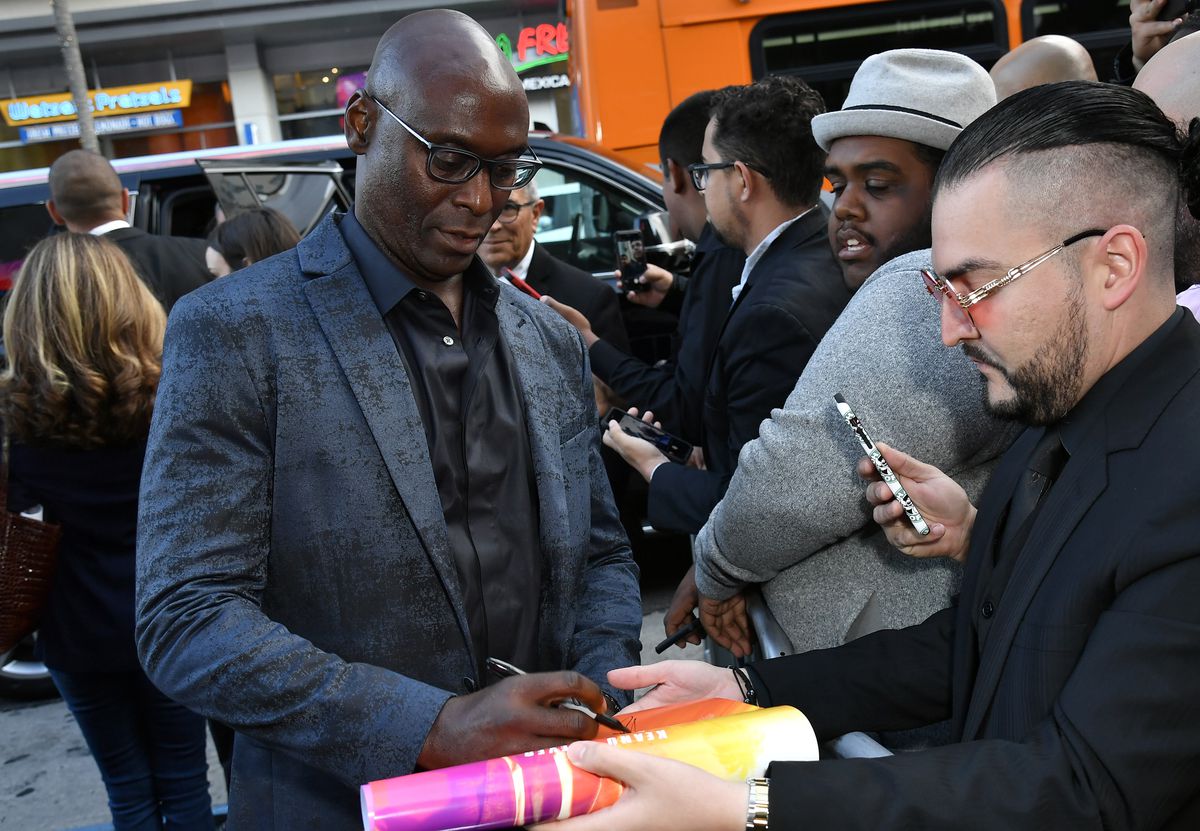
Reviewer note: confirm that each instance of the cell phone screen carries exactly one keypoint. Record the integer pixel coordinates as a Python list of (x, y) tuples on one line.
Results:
[(673, 447)]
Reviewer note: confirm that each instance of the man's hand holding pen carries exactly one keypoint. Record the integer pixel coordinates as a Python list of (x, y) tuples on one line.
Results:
[(511, 716)]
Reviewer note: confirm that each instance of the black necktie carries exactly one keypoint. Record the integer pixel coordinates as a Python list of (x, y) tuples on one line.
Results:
[(1047, 461)]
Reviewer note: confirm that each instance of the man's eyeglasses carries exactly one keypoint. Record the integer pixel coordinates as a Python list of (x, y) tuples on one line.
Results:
[(512, 210), (454, 166), (940, 287), (699, 172)]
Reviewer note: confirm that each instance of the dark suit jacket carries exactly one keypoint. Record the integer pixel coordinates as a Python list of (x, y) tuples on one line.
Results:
[(674, 391), (87, 625), (1083, 708), (170, 266), (295, 579), (580, 290), (794, 294)]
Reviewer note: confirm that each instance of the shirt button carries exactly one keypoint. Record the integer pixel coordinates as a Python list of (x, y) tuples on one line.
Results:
[(449, 341), (987, 609)]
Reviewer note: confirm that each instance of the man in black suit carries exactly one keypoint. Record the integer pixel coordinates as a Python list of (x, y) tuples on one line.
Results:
[(760, 174), (510, 247), (1069, 665), (86, 196), (674, 390)]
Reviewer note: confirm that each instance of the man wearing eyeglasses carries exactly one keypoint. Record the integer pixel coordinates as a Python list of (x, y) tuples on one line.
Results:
[(760, 173), (510, 247), (374, 467)]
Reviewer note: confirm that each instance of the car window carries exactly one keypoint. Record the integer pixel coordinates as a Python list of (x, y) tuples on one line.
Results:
[(581, 215), (303, 195)]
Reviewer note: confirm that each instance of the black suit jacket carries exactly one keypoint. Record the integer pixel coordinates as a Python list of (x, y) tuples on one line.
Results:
[(674, 391), (170, 266), (1083, 708), (794, 294), (580, 290)]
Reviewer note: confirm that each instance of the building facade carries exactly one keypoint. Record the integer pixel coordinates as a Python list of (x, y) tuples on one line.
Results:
[(172, 76)]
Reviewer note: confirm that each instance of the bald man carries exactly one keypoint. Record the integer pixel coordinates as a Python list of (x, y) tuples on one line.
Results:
[(1042, 60), (87, 197), (1172, 79), (373, 467)]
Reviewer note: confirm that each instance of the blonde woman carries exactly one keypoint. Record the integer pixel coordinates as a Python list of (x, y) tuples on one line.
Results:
[(83, 337)]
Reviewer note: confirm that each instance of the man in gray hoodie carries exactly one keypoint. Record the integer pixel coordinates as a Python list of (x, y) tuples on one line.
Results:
[(794, 519)]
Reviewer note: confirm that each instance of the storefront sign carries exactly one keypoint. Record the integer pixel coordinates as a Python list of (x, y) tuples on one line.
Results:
[(44, 109), (536, 46), (540, 82), (104, 126)]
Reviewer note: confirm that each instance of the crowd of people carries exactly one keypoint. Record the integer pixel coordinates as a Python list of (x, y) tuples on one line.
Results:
[(368, 460)]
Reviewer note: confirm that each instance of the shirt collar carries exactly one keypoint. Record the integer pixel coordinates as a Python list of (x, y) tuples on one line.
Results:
[(1075, 425), (761, 249), (387, 282), (100, 230), (521, 269)]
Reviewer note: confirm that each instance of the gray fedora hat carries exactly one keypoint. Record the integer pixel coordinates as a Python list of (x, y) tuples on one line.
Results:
[(923, 95)]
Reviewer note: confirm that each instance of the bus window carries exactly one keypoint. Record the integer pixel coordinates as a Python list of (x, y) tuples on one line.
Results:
[(825, 47), (1102, 26)]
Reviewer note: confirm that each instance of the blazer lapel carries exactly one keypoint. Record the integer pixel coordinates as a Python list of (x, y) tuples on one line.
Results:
[(979, 570), (540, 394), (1080, 484), (376, 376)]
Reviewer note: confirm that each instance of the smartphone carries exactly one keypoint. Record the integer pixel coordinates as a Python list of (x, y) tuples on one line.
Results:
[(673, 447), (1177, 8), (885, 471), (631, 259)]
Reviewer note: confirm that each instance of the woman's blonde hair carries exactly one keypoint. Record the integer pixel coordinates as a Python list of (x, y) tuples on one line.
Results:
[(83, 337)]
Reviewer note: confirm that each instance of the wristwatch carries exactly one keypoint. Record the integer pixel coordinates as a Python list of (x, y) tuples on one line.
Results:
[(757, 811)]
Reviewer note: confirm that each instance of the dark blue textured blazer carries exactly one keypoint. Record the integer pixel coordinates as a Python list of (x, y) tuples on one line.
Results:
[(294, 573)]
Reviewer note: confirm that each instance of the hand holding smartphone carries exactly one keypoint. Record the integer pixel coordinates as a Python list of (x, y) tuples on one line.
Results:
[(881, 465), (631, 259), (673, 447)]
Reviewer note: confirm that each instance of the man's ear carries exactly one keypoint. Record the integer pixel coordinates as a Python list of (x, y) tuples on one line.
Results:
[(1123, 256), (125, 203), (359, 121), (677, 175), (536, 209), (751, 181), (52, 209)]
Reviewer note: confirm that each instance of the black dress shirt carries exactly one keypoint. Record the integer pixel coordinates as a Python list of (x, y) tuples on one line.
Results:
[(1072, 430), (466, 390)]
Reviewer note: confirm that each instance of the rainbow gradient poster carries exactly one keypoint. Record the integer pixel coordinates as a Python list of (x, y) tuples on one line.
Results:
[(543, 785)]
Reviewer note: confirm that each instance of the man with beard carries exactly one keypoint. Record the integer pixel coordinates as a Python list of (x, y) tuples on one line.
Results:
[(1068, 667), (760, 173), (793, 521), (372, 467)]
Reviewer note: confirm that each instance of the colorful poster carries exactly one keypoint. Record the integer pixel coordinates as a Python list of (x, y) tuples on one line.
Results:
[(543, 785)]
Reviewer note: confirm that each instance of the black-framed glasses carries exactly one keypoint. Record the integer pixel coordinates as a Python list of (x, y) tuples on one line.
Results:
[(454, 166), (699, 171), (512, 210), (941, 287)]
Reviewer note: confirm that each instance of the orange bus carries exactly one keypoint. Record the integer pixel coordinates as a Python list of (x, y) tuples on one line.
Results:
[(633, 60)]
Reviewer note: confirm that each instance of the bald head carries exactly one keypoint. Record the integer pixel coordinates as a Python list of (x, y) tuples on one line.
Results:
[(1172, 78), (85, 191), (1042, 60), (433, 45)]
